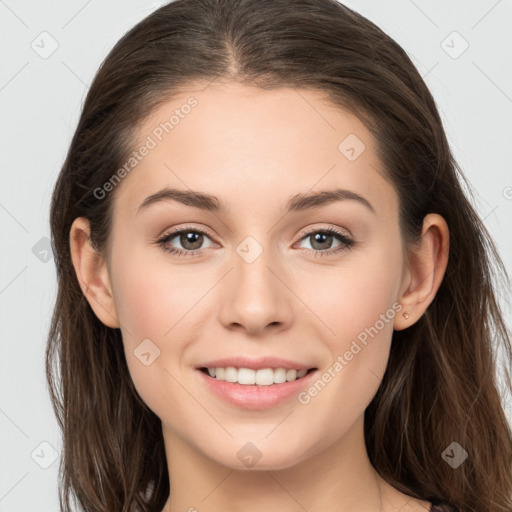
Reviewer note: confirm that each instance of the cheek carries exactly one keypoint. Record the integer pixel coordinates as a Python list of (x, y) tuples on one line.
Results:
[(150, 298), (353, 297), (362, 320), (358, 304), (151, 305)]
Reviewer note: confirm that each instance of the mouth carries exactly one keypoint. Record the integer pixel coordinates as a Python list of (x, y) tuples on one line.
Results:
[(255, 389)]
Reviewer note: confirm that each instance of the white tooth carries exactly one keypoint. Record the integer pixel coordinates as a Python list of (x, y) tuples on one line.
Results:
[(246, 376), (291, 375), (261, 377), (265, 377), (231, 374), (279, 375)]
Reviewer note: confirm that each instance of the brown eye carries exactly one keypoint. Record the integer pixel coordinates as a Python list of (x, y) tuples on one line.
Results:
[(190, 240), (321, 241)]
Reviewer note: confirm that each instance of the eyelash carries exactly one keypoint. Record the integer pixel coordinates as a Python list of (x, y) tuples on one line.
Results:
[(346, 242)]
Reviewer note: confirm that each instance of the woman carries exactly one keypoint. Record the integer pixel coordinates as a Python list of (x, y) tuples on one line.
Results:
[(273, 292)]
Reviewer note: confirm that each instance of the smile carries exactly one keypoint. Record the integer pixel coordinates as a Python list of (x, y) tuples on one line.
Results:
[(244, 391)]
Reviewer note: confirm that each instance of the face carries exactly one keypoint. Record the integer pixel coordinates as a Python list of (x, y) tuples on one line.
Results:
[(270, 273)]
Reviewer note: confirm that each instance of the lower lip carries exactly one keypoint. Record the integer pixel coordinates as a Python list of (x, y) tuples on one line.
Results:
[(253, 397)]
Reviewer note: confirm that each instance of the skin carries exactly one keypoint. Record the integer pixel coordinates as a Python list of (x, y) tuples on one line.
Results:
[(255, 149)]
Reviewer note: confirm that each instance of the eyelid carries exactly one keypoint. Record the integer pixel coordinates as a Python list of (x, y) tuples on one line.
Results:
[(315, 228), (186, 227)]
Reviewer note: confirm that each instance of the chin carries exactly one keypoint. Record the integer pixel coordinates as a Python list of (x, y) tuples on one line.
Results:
[(260, 456)]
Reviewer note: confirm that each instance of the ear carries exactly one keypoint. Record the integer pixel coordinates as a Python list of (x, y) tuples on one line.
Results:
[(425, 272), (92, 273)]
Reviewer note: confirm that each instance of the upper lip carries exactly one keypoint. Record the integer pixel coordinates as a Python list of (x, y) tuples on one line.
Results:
[(256, 364)]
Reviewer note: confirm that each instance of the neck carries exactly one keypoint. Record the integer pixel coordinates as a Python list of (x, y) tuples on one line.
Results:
[(338, 477)]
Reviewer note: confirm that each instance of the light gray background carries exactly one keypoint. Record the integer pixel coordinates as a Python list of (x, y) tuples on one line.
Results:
[(40, 101)]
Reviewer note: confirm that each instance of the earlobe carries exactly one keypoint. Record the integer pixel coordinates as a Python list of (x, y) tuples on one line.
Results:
[(92, 273), (427, 266)]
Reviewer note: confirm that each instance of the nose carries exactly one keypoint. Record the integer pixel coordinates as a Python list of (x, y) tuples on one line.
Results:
[(255, 296)]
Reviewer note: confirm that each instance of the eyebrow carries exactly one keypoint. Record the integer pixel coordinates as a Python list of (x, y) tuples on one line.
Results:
[(212, 203)]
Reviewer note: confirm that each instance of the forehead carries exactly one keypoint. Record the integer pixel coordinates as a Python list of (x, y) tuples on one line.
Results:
[(252, 145)]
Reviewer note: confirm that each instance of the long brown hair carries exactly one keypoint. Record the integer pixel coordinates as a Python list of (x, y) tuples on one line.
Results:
[(440, 385)]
